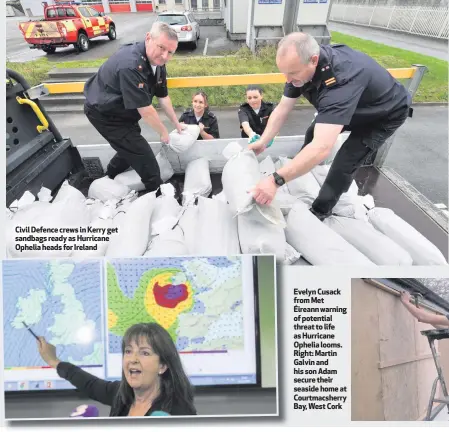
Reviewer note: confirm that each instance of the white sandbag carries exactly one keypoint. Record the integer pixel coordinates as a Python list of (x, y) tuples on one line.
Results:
[(306, 188), (26, 199), (267, 167), (165, 167), (134, 233), (285, 201), (422, 251), (317, 243), (95, 208), (165, 214), (170, 243), (130, 179), (221, 197), (181, 142), (197, 179), (240, 174), (320, 173), (259, 236), (291, 255), (376, 246), (105, 189), (101, 246), (350, 204), (335, 148), (68, 193), (44, 194), (216, 229), (188, 224)]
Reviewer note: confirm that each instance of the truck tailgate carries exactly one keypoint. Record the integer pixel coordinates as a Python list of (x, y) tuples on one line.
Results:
[(40, 31)]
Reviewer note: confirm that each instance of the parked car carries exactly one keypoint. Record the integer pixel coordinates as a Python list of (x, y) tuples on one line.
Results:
[(67, 24), (185, 25)]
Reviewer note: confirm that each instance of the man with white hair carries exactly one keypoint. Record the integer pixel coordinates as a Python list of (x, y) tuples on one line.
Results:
[(351, 92), (121, 93)]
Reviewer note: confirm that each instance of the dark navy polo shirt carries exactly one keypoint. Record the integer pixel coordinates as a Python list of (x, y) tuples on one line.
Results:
[(124, 83), (362, 93)]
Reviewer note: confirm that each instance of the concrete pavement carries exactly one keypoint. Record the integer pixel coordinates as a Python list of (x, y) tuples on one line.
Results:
[(418, 44), (419, 153)]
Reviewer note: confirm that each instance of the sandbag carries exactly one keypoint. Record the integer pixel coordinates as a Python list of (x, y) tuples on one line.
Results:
[(422, 251), (285, 201), (105, 189), (197, 180), (216, 229), (130, 179), (134, 232), (133, 181), (291, 255), (350, 204), (68, 193), (25, 200), (376, 246), (317, 243), (240, 174), (181, 142), (259, 236), (165, 214), (188, 224), (306, 188), (320, 173), (164, 165), (170, 243), (335, 148), (267, 167)]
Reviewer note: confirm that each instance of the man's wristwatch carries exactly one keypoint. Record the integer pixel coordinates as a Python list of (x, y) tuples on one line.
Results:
[(278, 179)]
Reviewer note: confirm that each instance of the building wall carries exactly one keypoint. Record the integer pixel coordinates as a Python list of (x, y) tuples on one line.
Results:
[(169, 5), (269, 14), (240, 16), (313, 13), (392, 366), (33, 8)]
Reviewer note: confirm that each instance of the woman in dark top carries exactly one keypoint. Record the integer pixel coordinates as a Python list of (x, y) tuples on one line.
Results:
[(200, 115), (254, 113), (153, 378)]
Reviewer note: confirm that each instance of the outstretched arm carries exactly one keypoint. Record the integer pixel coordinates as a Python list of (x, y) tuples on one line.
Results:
[(438, 321)]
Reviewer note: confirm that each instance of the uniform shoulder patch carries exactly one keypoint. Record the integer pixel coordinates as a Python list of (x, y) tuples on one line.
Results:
[(211, 114), (328, 76)]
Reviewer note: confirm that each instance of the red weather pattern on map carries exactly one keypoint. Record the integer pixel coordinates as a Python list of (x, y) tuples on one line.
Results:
[(169, 296)]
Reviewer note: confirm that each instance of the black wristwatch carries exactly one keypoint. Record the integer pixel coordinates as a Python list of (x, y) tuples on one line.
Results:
[(278, 179)]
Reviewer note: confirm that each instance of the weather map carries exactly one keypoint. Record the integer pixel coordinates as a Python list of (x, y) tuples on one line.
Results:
[(199, 301), (57, 299)]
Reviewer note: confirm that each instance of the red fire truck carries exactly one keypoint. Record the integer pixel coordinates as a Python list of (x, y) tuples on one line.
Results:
[(67, 24)]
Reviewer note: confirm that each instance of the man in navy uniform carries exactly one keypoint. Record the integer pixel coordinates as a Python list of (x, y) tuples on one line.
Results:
[(121, 93), (351, 92)]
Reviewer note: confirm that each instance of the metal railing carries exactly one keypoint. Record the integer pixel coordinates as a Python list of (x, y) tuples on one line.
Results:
[(418, 20), (221, 80)]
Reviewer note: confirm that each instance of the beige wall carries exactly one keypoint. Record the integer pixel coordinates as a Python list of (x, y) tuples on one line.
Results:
[(392, 366)]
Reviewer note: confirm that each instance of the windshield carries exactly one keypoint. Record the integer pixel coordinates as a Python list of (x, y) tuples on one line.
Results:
[(173, 19)]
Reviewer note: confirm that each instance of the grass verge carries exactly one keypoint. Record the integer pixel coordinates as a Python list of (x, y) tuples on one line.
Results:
[(433, 88)]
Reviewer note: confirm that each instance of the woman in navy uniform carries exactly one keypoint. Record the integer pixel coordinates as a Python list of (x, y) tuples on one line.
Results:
[(254, 114), (200, 115)]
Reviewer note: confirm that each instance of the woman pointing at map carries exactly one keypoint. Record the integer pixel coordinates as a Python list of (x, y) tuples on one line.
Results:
[(153, 378)]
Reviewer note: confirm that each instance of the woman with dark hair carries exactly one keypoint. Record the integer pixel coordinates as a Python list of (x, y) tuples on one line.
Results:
[(153, 378), (200, 115), (254, 113)]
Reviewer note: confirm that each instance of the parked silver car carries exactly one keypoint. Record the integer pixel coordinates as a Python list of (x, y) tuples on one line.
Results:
[(185, 25)]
